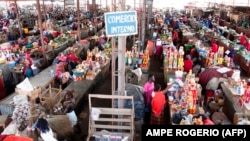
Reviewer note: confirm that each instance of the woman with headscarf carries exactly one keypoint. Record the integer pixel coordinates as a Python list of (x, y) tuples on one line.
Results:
[(28, 72), (62, 76)]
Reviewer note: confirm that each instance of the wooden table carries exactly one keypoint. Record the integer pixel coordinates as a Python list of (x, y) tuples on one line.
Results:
[(242, 62), (231, 105), (43, 80)]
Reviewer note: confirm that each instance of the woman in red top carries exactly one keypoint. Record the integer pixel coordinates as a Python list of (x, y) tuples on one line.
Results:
[(243, 38), (248, 45), (175, 37), (215, 47), (158, 105), (188, 64)]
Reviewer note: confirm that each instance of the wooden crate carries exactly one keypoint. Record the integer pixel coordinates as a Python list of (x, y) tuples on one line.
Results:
[(118, 121), (50, 97)]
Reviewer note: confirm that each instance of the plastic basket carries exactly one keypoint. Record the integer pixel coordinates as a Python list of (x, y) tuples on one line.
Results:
[(17, 138), (12, 64)]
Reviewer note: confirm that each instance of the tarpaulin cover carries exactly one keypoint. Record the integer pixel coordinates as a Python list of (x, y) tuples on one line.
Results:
[(209, 73), (137, 92)]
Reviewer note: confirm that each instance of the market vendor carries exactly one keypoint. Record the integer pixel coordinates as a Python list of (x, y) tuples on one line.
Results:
[(45, 130), (62, 76), (243, 40), (188, 63), (36, 64), (20, 41), (73, 60), (248, 45), (209, 74), (175, 37), (10, 36), (158, 50), (155, 34), (28, 72), (205, 119), (214, 47), (158, 105), (67, 106), (148, 89)]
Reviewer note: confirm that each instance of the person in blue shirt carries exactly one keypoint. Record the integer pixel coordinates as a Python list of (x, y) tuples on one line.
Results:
[(11, 37), (177, 25), (207, 23), (167, 20)]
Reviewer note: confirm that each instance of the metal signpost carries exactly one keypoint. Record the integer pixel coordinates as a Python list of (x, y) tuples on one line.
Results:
[(120, 24)]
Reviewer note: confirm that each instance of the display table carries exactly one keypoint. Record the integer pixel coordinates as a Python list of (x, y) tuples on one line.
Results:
[(43, 79), (231, 105), (84, 87), (242, 62), (242, 29), (220, 43), (105, 69)]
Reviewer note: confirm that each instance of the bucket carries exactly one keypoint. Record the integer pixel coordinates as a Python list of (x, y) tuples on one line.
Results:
[(26, 30)]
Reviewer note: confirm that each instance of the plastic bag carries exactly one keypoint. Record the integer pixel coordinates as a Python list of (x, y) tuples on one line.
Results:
[(25, 85)]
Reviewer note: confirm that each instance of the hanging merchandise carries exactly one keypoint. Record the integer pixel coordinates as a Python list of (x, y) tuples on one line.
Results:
[(145, 60), (173, 58)]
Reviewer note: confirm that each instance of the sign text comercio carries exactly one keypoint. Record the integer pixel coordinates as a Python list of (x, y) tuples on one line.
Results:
[(121, 23)]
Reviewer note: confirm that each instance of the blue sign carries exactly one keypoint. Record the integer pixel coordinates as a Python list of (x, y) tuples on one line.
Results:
[(121, 23)]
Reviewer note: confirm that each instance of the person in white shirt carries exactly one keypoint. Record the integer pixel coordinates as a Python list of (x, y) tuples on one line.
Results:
[(45, 131), (158, 47)]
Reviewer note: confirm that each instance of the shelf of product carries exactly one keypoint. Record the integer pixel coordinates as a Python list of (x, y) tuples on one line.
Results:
[(184, 100), (173, 58), (136, 58)]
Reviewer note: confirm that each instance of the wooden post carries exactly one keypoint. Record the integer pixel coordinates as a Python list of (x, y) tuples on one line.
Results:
[(137, 14), (106, 6), (44, 11), (64, 7), (78, 24), (41, 30), (18, 20)]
